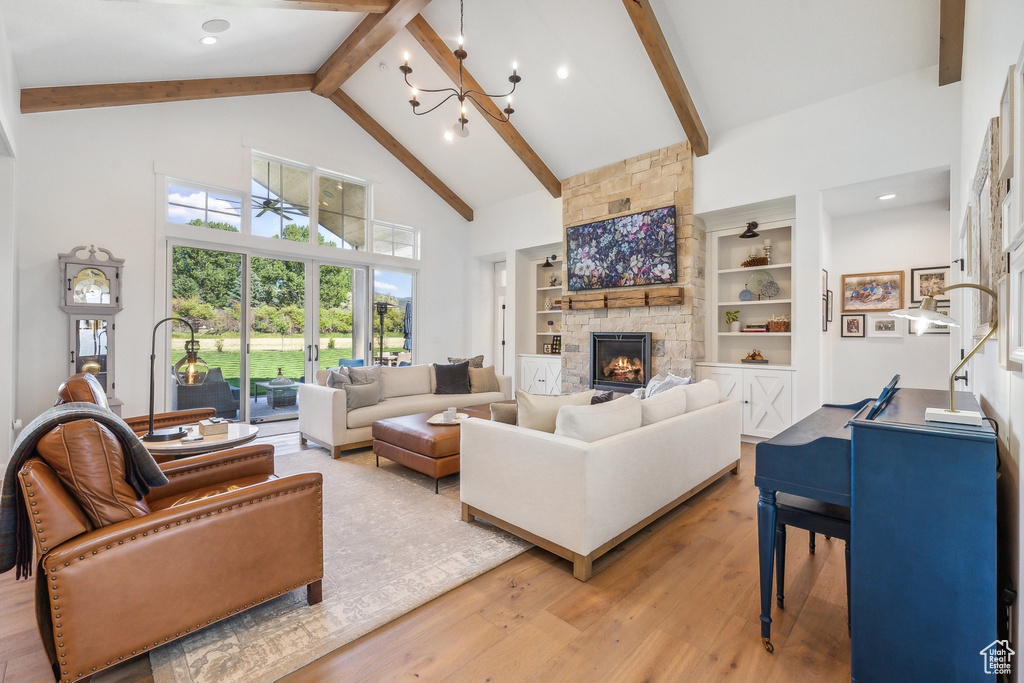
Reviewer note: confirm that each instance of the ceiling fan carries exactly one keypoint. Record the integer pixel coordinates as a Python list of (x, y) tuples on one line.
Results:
[(274, 206)]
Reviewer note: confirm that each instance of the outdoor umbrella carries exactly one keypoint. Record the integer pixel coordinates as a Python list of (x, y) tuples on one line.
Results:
[(407, 327)]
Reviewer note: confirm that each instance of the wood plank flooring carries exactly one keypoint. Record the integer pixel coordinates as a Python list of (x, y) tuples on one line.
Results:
[(678, 601)]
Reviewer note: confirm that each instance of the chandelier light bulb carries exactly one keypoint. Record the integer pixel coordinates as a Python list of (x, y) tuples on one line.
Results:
[(461, 39), (406, 56), (515, 65)]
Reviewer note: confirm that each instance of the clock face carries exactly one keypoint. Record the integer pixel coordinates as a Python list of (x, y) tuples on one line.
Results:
[(91, 287)]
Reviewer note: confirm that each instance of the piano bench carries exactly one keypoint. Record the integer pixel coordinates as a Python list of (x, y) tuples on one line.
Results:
[(816, 517)]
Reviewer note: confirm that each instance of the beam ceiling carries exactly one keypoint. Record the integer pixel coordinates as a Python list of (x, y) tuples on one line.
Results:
[(649, 30), (364, 42), (951, 40), (377, 132), (34, 100), (439, 52)]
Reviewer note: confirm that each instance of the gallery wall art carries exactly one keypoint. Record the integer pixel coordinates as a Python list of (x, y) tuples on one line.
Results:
[(873, 292), (626, 251)]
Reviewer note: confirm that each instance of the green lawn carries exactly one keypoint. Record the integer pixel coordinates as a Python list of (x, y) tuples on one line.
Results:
[(264, 363)]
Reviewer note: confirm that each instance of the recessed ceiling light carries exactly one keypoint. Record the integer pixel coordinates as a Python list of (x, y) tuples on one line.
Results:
[(884, 197), (208, 40), (449, 136), (216, 26), (563, 72)]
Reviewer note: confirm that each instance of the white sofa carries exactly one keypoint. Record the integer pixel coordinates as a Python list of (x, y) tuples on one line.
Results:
[(579, 500), (324, 419)]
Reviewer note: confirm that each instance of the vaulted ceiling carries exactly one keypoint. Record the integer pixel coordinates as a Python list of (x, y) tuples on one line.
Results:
[(740, 62)]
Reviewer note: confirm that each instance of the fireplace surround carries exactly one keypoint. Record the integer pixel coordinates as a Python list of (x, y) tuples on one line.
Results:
[(619, 361)]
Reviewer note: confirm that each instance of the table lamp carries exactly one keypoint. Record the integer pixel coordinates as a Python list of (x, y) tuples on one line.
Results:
[(189, 371), (927, 314)]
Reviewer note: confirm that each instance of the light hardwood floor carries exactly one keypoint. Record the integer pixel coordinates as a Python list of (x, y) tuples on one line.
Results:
[(678, 602)]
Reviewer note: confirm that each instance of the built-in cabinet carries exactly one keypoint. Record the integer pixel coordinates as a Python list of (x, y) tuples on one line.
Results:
[(540, 374), (763, 296), (766, 393)]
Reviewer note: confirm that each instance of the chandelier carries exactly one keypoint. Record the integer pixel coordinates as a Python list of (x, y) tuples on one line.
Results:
[(461, 93)]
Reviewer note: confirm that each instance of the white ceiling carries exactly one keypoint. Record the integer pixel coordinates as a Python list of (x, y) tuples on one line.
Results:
[(741, 61), (929, 186)]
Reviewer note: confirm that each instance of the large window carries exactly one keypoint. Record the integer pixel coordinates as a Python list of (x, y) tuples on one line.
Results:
[(187, 205), (280, 200), (341, 212), (395, 240)]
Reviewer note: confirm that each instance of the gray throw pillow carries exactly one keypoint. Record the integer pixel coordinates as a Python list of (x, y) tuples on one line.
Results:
[(602, 397), (361, 395), (474, 362), (367, 375), (338, 378), (452, 379)]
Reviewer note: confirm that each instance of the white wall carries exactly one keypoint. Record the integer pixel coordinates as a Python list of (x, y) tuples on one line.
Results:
[(902, 125), (887, 240), (993, 37), (511, 230), (9, 95), (88, 177)]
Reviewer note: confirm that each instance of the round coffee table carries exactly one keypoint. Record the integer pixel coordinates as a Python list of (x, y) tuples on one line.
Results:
[(238, 433)]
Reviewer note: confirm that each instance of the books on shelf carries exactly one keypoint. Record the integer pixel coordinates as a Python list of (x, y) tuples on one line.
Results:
[(755, 328)]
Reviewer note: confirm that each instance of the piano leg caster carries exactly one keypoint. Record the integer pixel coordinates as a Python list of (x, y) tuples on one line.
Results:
[(768, 645)]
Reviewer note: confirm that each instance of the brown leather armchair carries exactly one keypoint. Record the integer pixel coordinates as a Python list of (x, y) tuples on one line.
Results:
[(85, 388), (117, 577)]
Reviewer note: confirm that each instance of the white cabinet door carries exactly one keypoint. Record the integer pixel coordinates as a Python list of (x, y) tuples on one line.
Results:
[(767, 402), (540, 375), (730, 380), (552, 376)]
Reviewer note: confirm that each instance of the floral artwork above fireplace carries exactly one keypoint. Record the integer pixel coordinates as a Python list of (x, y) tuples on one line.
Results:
[(639, 249)]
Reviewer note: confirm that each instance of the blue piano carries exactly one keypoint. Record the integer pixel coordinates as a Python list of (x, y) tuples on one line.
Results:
[(922, 498)]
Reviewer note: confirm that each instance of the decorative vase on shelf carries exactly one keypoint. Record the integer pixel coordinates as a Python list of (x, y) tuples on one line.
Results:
[(734, 326), (548, 303)]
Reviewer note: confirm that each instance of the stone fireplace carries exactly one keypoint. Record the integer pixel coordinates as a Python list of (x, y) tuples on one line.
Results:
[(660, 178), (619, 361)]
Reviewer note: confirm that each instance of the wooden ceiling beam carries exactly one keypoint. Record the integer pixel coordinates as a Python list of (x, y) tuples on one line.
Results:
[(377, 132), (35, 100), (951, 40), (364, 42), (439, 52), (369, 6), (649, 30)]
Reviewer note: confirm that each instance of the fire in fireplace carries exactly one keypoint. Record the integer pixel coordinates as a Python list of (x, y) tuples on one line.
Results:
[(620, 361)]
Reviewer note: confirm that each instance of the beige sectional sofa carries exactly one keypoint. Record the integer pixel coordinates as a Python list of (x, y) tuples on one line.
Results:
[(579, 499), (325, 420)]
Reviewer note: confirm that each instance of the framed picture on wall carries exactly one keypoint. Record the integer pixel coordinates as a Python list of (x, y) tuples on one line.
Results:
[(852, 324), (1015, 306), (873, 292), (883, 326), (924, 281), (1006, 130)]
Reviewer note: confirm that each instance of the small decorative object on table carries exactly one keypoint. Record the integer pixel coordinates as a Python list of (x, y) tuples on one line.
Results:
[(746, 295), (556, 344), (778, 323), (767, 252), (547, 348), (755, 261), (211, 427), (548, 303), (554, 281), (280, 379)]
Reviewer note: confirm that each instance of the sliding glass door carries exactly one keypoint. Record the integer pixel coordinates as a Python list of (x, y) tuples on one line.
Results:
[(206, 290), (342, 318), (392, 317), (277, 336)]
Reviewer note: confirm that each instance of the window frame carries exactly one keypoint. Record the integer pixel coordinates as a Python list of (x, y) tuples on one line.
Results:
[(395, 227)]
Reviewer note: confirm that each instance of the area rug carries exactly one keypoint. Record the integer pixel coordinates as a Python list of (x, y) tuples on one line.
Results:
[(390, 545)]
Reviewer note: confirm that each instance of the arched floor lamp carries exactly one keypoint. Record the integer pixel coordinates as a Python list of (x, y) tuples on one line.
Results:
[(189, 371), (927, 314)]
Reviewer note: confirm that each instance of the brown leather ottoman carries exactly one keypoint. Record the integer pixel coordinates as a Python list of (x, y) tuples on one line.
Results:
[(431, 449)]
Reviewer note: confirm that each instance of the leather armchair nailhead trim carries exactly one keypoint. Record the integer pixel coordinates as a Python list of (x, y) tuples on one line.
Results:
[(55, 606)]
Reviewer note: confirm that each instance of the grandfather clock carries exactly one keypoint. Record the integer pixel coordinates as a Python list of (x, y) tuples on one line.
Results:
[(90, 286)]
